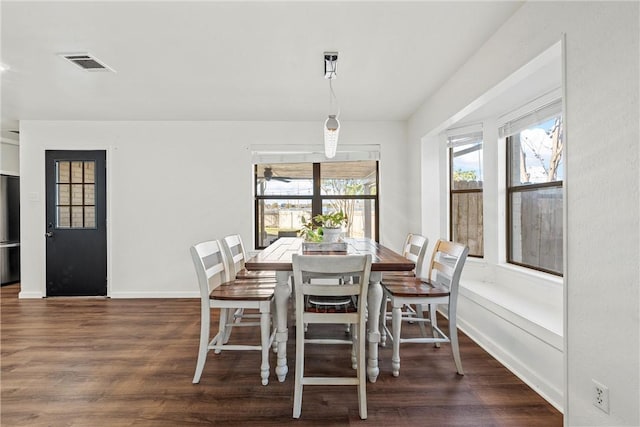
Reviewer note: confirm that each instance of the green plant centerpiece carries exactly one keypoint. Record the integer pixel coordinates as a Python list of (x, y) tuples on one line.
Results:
[(325, 227)]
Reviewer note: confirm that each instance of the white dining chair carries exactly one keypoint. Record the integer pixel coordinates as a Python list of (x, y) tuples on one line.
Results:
[(219, 290), (310, 273), (237, 255), (438, 287), (414, 249)]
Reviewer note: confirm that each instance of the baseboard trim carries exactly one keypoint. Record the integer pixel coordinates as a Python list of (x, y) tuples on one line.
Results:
[(30, 295), (135, 295)]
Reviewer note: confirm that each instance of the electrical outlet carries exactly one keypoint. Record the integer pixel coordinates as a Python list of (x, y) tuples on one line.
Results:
[(600, 396)]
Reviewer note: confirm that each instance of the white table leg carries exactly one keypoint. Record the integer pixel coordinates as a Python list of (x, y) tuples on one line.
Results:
[(373, 320), (282, 293)]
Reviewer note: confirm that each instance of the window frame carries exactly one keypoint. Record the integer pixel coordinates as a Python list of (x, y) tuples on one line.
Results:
[(316, 198), (521, 188), (453, 191)]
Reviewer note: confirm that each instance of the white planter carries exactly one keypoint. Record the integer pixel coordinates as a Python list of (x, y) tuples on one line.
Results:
[(331, 234)]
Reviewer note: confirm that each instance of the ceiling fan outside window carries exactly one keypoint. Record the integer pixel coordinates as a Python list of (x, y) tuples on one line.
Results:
[(268, 175)]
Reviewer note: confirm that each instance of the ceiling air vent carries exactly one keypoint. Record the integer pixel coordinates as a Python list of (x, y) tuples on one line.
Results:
[(86, 61)]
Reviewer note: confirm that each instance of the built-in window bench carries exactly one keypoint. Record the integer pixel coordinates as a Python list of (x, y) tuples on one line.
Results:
[(517, 316)]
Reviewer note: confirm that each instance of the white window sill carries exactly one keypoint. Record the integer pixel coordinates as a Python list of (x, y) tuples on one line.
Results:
[(532, 274)]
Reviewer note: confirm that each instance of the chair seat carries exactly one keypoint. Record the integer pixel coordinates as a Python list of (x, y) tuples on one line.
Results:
[(266, 282), (249, 274), (396, 274), (413, 287), (248, 292)]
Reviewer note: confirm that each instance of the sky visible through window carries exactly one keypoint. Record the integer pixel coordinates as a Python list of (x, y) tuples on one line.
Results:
[(469, 165), (537, 144)]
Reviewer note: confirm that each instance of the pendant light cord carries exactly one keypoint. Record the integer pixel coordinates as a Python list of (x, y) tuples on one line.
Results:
[(332, 97)]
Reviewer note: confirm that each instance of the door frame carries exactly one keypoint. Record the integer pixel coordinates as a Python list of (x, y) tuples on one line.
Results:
[(109, 181)]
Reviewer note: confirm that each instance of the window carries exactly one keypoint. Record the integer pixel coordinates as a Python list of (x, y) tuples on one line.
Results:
[(288, 194), (75, 194), (534, 190), (465, 198)]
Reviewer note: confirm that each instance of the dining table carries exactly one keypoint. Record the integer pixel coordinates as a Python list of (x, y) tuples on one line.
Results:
[(278, 257)]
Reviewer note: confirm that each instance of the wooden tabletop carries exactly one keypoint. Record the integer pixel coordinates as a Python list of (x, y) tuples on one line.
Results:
[(277, 256)]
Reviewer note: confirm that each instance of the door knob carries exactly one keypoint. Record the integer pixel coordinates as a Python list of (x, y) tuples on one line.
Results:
[(49, 234)]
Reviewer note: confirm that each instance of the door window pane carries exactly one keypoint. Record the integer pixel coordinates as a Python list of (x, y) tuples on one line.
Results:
[(76, 194), (89, 172), (63, 172), (90, 216), (89, 195), (77, 174), (64, 194), (63, 217), (77, 217)]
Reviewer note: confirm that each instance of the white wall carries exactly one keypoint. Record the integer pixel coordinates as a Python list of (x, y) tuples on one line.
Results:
[(602, 331), (9, 157), (172, 184)]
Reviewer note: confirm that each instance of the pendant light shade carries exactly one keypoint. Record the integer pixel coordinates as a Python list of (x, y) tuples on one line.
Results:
[(331, 131)]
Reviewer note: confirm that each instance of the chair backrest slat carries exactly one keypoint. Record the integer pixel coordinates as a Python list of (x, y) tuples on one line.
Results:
[(307, 266), (445, 269), (235, 253), (330, 290), (415, 248), (446, 264), (210, 264)]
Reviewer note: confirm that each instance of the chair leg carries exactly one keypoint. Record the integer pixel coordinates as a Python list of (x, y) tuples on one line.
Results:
[(297, 389), (361, 371), (354, 347), (265, 333), (433, 315), (396, 324), (383, 321), (455, 348), (419, 313), (205, 324), (274, 324), (231, 320), (222, 325)]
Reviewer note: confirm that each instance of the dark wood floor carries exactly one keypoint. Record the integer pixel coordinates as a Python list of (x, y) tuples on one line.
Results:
[(101, 362)]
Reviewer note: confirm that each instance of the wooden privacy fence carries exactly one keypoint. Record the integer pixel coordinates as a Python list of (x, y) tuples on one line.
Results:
[(537, 229), (536, 234), (467, 216)]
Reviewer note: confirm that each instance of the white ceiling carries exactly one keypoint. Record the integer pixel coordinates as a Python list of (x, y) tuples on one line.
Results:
[(234, 60)]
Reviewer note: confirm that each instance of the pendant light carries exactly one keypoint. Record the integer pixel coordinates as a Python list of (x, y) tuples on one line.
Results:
[(331, 125)]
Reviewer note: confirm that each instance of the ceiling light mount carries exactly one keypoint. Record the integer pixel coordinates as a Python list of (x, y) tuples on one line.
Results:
[(330, 65)]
